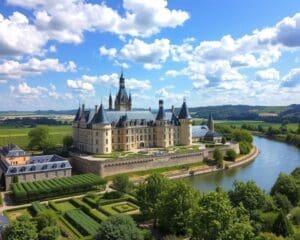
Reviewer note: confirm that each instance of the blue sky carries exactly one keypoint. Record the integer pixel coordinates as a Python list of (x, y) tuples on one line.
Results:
[(56, 54)]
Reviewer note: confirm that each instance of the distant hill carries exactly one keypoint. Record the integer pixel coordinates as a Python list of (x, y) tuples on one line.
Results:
[(290, 113)]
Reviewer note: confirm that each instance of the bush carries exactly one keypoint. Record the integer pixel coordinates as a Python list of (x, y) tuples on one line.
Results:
[(295, 215), (218, 157), (245, 147), (112, 195), (121, 183), (231, 155)]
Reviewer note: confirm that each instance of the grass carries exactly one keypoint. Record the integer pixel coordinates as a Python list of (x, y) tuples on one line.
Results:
[(119, 154), (14, 213), (290, 126), (125, 207), (65, 206), (19, 136)]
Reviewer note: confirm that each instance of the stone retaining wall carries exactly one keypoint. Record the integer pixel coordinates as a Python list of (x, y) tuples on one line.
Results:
[(117, 166)]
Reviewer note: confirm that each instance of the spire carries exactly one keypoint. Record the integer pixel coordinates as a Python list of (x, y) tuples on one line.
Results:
[(100, 116), (184, 111), (122, 80), (78, 114), (210, 123), (110, 103), (161, 115)]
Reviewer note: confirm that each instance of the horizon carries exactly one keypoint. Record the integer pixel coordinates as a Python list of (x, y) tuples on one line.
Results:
[(166, 49)]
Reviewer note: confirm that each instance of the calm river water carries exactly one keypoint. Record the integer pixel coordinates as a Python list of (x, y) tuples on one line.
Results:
[(274, 157)]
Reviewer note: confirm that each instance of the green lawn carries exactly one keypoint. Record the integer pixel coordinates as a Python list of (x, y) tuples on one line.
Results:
[(19, 136), (290, 126)]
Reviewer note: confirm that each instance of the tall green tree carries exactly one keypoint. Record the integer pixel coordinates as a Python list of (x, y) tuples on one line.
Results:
[(122, 183), (241, 135), (287, 185), (149, 194), (176, 207), (39, 139), (216, 219), (218, 157), (119, 227), (282, 226), (46, 219), (247, 193), (67, 141), (22, 228)]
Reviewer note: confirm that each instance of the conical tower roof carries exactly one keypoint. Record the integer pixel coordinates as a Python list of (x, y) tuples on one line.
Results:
[(100, 116), (184, 112)]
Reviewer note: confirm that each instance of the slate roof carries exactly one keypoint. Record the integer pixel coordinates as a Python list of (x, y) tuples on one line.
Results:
[(184, 112), (212, 134), (11, 150), (199, 131), (98, 117), (38, 164)]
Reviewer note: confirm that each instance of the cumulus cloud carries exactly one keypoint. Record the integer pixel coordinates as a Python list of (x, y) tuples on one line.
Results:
[(12, 69), (18, 36), (23, 90), (171, 97), (268, 74), (292, 79), (110, 52), (66, 21), (80, 85)]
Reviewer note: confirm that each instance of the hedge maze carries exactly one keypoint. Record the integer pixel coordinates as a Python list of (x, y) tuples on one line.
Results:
[(38, 190), (80, 218)]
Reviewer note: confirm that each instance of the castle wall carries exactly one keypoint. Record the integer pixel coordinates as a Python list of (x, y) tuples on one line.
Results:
[(115, 166)]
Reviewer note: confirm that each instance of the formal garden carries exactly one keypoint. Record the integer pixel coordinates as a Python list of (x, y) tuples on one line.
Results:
[(50, 188), (80, 218)]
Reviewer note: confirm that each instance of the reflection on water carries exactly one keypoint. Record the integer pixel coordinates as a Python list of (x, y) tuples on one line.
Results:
[(275, 157)]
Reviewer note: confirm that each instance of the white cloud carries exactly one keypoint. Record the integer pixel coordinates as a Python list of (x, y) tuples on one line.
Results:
[(110, 52), (12, 69), (80, 85), (292, 79), (151, 66), (268, 74), (23, 90), (66, 21), (18, 36), (150, 54), (52, 49), (171, 97)]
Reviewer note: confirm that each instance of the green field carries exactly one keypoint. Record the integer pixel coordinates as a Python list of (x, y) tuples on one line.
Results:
[(19, 136), (80, 218), (290, 126)]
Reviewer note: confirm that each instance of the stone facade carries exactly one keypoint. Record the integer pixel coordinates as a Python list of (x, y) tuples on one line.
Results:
[(117, 166), (100, 131)]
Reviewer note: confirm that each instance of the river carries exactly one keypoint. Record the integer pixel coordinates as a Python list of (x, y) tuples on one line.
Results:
[(274, 157)]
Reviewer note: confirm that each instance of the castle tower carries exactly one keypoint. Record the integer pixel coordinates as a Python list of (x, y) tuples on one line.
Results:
[(103, 134), (210, 123), (122, 102), (110, 103), (130, 103), (160, 126), (185, 120)]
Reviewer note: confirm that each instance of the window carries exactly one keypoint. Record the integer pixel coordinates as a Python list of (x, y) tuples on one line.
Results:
[(106, 133), (106, 149), (97, 134), (106, 141)]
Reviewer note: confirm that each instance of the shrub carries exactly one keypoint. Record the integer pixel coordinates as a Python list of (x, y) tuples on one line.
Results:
[(295, 215), (245, 147), (112, 195), (231, 155)]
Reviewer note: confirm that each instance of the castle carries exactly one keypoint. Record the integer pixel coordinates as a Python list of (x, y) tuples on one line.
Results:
[(121, 129)]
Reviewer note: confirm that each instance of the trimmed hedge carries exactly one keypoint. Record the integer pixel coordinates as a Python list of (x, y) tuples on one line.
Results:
[(31, 191), (38, 207), (85, 224)]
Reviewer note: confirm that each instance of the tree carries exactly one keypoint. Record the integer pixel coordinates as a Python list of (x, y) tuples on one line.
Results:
[(121, 183), (39, 138), (22, 228), (119, 227), (223, 140), (282, 226), (67, 141), (247, 193), (176, 207), (49, 233), (240, 135), (268, 236), (282, 202), (149, 193), (46, 219), (287, 185), (218, 157), (231, 155), (217, 219), (245, 147)]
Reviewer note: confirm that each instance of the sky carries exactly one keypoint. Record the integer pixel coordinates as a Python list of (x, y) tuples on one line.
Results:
[(58, 54)]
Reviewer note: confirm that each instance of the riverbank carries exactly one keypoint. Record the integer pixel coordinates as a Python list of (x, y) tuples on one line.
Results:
[(204, 169), (280, 137)]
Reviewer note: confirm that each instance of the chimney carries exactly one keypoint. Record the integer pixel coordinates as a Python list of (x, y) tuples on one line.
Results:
[(172, 109), (96, 108), (82, 107)]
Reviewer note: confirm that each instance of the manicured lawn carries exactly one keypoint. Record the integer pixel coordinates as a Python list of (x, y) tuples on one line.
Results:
[(65, 206), (120, 154), (13, 214), (19, 136)]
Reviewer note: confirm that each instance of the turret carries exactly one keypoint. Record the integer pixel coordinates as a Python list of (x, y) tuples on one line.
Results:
[(129, 102), (161, 115), (185, 121), (210, 123)]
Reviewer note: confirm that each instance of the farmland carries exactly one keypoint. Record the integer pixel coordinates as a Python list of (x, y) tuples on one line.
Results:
[(19, 136), (80, 218)]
